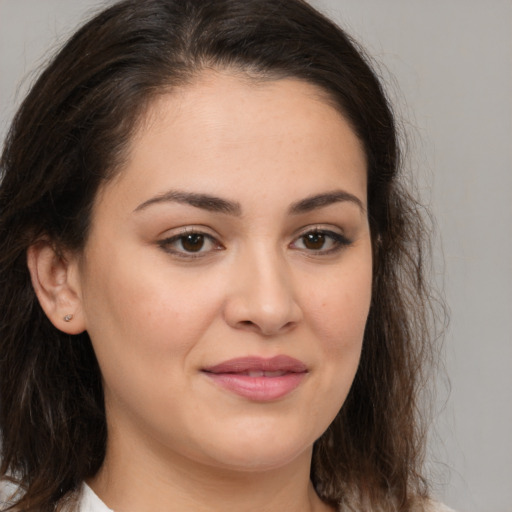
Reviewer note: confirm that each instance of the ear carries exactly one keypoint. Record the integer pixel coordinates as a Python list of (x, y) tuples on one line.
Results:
[(55, 279)]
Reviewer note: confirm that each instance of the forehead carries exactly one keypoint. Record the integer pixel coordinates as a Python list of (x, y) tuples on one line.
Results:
[(226, 128), (222, 98)]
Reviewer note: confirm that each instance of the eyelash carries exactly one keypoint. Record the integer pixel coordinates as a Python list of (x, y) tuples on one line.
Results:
[(167, 244), (338, 241)]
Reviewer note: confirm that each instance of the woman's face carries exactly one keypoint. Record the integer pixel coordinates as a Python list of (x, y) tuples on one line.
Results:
[(226, 280)]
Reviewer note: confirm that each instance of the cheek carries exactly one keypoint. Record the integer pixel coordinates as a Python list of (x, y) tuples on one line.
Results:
[(338, 314), (143, 329), (340, 330), (339, 307), (145, 311)]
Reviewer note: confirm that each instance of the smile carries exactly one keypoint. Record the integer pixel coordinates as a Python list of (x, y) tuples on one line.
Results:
[(258, 379)]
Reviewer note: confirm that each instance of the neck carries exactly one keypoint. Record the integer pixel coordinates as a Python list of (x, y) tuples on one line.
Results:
[(140, 480)]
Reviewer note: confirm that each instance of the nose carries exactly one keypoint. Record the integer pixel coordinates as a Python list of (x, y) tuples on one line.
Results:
[(262, 297)]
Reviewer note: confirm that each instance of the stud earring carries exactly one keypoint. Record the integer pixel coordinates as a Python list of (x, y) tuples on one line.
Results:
[(68, 318)]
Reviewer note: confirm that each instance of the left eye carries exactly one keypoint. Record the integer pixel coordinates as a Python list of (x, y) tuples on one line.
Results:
[(321, 242), (189, 244)]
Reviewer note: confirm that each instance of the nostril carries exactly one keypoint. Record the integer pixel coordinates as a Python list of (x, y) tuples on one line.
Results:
[(246, 323)]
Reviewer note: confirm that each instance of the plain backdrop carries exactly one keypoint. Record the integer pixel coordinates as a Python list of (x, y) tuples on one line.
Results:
[(448, 65)]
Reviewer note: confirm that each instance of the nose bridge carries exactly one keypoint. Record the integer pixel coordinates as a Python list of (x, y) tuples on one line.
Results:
[(263, 296)]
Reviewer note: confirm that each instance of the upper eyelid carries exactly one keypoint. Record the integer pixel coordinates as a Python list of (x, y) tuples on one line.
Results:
[(214, 234), (320, 228), (184, 233), (185, 230), (206, 231), (327, 232), (339, 238), (165, 244)]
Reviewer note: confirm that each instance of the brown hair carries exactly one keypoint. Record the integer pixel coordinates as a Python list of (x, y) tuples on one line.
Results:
[(71, 134)]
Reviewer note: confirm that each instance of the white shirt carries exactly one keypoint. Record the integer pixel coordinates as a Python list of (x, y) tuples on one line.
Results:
[(90, 502)]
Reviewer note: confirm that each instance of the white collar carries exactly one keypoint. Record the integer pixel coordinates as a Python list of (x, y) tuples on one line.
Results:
[(90, 502)]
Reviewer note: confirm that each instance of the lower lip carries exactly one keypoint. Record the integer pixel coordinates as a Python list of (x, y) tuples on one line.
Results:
[(259, 389)]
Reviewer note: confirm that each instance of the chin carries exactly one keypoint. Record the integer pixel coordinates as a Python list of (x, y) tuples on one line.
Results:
[(259, 452), (260, 462)]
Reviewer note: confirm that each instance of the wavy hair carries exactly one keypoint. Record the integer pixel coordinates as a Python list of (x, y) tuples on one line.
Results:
[(70, 136)]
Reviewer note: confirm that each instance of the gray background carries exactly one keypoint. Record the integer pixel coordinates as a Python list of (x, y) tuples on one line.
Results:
[(449, 68)]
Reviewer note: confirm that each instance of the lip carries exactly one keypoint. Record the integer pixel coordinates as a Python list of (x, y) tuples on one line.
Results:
[(258, 379)]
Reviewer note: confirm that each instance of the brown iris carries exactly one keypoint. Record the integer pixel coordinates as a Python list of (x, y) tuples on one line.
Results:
[(314, 241), (192, 242)]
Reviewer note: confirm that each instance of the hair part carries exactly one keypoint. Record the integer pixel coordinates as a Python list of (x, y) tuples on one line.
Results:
[(72, 134)]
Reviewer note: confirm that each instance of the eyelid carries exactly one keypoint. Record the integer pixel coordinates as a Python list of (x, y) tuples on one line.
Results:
[(166, 242), (340, 240)]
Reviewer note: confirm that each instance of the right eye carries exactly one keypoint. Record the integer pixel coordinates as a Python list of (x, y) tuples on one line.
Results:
[(190, 244)]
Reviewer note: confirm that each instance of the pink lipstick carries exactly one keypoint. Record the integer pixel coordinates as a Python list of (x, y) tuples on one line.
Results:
[(257, 378)]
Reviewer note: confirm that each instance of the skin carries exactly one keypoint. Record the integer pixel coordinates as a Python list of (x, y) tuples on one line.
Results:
[(157, 313)]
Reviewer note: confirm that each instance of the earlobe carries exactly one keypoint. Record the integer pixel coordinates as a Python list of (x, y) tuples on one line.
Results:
[(55, 282)]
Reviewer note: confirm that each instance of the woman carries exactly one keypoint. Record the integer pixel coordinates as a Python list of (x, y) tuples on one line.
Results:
[(212, 285)]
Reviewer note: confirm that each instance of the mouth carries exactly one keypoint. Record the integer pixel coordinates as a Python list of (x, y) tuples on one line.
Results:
[(260, 373), (258, 379)]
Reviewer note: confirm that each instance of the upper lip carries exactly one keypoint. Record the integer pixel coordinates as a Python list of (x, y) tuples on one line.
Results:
[(254, 363)]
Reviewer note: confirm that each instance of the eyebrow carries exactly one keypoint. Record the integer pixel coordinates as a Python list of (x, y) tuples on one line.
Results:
[(322, 200), (219, 205), (203, 201)]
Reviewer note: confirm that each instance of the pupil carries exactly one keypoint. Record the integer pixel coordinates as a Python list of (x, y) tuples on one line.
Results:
[(193, 242), (314, 240)]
